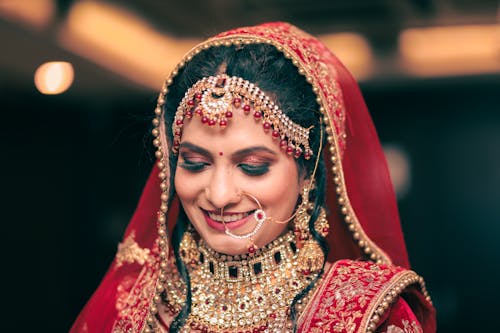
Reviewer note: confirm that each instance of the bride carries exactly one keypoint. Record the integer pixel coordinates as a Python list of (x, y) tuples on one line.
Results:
[(270, 208)]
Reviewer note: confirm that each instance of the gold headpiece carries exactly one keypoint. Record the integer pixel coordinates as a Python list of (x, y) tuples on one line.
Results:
[(212, 100)]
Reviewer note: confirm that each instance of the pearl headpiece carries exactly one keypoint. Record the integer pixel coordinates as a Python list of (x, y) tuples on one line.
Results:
[(213, 98)]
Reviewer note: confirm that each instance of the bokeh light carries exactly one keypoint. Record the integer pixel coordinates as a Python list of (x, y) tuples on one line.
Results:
[(54, 77)]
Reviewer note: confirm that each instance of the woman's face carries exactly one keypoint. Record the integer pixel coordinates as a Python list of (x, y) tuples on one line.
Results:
[(216, 165)]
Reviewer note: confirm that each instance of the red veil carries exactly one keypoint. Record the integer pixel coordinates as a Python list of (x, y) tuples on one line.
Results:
[(363, 212)]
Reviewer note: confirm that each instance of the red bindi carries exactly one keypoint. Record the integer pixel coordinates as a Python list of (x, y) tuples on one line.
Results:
[(221, 153)]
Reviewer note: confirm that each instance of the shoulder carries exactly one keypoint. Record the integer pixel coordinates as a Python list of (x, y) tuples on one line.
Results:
[(354, 296)]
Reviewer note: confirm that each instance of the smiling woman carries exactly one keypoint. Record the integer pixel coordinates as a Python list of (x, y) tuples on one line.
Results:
[(271, 232), (206, 182)]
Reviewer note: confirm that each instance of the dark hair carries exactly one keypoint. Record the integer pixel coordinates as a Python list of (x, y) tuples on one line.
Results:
[(268, 69)]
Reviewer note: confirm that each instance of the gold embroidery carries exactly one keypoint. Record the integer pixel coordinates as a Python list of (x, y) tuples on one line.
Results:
[(354, 296), (130, 252), (408, 327)]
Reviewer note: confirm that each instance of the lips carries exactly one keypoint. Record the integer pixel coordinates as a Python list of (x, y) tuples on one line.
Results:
[(231, 220)]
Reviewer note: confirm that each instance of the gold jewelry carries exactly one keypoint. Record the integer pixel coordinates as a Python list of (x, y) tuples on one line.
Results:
[(213, 99), (259, 215), (311, 256), (188, 248), (241, 293)]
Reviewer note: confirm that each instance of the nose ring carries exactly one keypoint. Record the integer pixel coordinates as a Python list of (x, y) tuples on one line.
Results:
[(259, 216)]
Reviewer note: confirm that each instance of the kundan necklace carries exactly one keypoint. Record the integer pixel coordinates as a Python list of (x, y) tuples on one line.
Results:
[(243, 293)]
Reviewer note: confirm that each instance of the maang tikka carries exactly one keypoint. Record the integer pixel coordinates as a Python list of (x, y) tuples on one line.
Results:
[(213, 98)]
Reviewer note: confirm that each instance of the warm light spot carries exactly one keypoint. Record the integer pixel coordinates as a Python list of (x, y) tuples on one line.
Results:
[(121, 41), (353, 50), (399, 169), (453, 50), (35, 13), (54, 77)]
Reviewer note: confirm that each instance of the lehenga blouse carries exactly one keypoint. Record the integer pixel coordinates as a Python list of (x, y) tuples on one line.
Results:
[(368, 287)]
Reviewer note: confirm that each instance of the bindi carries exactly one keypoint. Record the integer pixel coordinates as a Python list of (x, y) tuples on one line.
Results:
[(221, 153)]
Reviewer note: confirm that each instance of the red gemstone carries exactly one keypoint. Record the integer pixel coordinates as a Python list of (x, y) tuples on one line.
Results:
[(283, 144), (191, 102), (267, 126), (263, 327), (198, 111), (229, 114), (224, 308), (276, 134), (255, 330), (246, 108), (251, 249), (242, 306), (204, 119), (326, 229), (207, 301), (177, 133), (298, 152), (257, 115), (307, 155), (273, 315), (289, 150), (198, 96), (179, 122), (223, 123), (306, 272), (260, 216), (189, 114), (211, 122), (237, 102)]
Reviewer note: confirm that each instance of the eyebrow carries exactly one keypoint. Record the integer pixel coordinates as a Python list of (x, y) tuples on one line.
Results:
[(238, 154), (251, 150), (195, 148)]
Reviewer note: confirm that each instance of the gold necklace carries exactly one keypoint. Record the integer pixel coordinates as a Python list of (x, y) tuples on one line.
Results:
[(241, 293)]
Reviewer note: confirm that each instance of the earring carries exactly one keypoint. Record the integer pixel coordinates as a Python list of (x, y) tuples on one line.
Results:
[(311, 256), (188, 248)]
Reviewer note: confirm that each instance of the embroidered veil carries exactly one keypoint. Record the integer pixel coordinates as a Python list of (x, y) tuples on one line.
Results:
[(363, 213)]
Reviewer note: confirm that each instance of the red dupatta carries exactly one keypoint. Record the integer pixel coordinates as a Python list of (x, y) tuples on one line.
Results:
[(363, 212)]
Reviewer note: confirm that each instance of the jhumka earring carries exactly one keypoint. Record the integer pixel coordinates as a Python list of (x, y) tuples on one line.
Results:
[(310, 254), (188, 248)]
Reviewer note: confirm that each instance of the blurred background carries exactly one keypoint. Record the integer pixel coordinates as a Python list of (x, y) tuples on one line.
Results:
[(78, 84)]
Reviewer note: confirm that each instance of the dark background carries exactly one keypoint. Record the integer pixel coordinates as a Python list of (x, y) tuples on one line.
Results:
[(73, 165)]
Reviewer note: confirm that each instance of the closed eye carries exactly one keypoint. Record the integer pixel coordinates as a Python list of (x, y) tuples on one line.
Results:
[(192, 165), (254, 169)]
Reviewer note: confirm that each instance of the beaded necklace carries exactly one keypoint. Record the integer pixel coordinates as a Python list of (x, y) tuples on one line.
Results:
[(244, 293)]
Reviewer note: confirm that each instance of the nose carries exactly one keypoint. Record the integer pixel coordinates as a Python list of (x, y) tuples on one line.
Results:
[(221, 191)]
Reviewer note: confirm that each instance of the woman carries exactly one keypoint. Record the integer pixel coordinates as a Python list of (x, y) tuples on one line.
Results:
[(272, 177)]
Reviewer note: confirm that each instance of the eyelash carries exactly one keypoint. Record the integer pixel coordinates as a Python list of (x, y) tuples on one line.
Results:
[(254, 170), (249, 169), (192, 166)]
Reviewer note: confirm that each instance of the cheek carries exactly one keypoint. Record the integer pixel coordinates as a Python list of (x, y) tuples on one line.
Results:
[(184, 186)]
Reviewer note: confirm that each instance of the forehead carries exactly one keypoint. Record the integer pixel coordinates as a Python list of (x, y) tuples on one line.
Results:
[(242, 131)]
